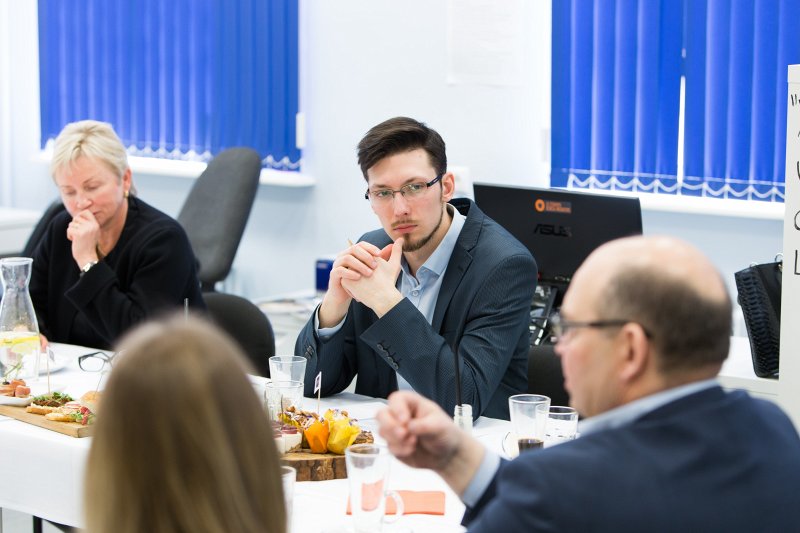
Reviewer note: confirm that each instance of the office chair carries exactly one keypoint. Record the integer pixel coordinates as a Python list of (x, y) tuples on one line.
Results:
[(544, 374), (39, 230), (216, 211), (247, 324)]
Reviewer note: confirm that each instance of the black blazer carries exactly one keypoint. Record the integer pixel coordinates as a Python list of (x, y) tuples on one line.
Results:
[(482, 313), (710, 461), (152, 268)]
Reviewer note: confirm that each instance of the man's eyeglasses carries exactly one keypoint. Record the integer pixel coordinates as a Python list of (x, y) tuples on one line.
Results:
[(410, 191), (95, 361), (560, 328)]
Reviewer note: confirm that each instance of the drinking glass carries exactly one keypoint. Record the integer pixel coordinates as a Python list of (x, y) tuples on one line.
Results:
[(562, 424), (462, 416), (287, 368), (368, 475), (288, 478), (280, 395), (529, 419)]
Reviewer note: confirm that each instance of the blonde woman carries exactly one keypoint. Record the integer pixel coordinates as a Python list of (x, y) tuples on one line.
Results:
[(111, 260), (182, 442)]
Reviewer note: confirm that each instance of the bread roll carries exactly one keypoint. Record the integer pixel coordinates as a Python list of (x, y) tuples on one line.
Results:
[(40, 409), (59, 417), (91, 400)]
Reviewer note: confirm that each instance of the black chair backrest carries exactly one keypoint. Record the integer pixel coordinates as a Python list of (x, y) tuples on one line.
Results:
[(38, 231), (759, 294), (544, 374), (246, 323), (216, 211)]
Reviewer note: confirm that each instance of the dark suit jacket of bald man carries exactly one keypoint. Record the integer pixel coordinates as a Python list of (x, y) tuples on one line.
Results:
[(710, 461), (482, 312)]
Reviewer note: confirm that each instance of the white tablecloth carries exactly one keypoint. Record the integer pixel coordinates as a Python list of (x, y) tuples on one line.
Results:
[(44, 470), (47, 467)]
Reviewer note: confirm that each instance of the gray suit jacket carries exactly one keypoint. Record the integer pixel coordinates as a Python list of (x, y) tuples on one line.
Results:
[(482, 314)]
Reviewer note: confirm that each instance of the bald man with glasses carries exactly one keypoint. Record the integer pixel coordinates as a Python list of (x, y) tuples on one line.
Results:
[(644, 331), (440, 294)]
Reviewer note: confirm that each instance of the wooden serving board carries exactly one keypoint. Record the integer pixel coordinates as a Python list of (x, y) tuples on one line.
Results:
[(316, 466), (73, 429)]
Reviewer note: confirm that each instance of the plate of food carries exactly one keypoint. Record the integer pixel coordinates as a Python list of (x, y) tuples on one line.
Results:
[(15, 401), (57, 411), (79, 411), (314, 444), (47, 403), (15, 392), (19, 393)]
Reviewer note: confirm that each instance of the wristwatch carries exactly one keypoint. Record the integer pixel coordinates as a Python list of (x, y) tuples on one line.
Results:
[(87, 267)]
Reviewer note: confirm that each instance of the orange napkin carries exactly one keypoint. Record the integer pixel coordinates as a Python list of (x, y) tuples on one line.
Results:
[(415, 502)]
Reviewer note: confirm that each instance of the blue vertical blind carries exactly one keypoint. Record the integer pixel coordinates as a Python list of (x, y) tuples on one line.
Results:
[(617, 68), (182, 79), (737, 55)]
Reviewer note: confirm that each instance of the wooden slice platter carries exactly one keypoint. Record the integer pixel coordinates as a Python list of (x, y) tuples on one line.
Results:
[(73, 429), (316, 466)]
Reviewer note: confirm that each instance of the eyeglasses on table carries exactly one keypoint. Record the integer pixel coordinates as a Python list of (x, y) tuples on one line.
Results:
[(96, 361)]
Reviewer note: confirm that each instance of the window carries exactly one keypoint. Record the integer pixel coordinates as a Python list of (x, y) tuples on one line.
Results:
[(623, 70), (183, 79)]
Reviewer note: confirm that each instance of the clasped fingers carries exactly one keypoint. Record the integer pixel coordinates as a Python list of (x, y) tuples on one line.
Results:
[(358, 259)]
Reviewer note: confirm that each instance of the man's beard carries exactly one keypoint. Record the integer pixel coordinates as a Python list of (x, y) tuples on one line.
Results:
[(413, 246)]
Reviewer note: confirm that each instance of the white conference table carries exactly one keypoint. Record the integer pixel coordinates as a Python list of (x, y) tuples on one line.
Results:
[(289, 314), (44, 469)]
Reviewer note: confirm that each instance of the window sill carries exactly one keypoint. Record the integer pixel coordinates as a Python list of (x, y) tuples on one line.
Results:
[(151, 166), (714, 206), (705, 206), (192, 169)]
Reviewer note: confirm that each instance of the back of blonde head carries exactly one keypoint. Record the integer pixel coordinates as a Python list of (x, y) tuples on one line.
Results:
[(92, 139), (182, 442)]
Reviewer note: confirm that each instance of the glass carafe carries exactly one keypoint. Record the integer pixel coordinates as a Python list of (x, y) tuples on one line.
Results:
[(19, 330)]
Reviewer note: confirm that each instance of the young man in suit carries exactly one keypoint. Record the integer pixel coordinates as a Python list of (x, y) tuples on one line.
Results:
[(439, 283), (644, 330)]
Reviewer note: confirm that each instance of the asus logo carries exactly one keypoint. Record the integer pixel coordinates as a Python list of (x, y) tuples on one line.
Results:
[(552, 229)]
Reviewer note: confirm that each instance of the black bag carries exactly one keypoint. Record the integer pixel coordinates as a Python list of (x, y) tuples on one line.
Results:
[(759, 288)]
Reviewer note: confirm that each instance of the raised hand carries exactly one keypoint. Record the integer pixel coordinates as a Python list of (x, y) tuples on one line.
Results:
[(417, 431), (84, 232), (421, 435)]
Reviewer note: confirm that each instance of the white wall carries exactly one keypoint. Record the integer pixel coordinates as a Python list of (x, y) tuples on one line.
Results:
[(364, 61), (25, 176)]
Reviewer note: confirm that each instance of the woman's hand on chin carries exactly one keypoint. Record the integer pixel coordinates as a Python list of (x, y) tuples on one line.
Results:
[(84, 232)]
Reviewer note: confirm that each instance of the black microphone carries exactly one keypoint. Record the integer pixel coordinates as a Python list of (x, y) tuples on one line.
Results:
[(458, 377), (462, 415)]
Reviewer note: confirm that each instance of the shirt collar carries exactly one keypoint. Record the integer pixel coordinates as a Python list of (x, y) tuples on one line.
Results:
[(438, 260), (625, 414)]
